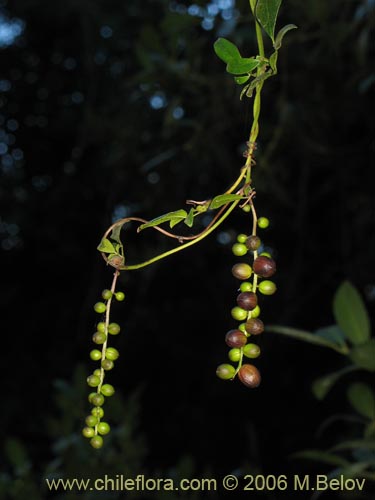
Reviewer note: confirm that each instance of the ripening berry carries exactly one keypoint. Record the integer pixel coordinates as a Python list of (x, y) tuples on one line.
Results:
[(267, 287), (242, 271), (95, 355), (107, 364), (99, 337), (114, 328), (91, 421), (246, 286), (239, 249), (88, 432), (235, 338), (103, 428), (264, 266), (263, 222), (254, 326), (97, 399), (253, 242), (247, 301), (120, 296), (234, 354), (225, 371), (100, 307), (251, 351), (107, 390), (249, 375), (106, 294), (97, 412), (93, 381), (238, 313), (241, 238), (112, 353), (96, 442)]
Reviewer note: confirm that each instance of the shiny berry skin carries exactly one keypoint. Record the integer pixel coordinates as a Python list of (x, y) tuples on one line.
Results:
[(238, 313), (249, 375), (96, 442), (95, 355), (88, 432), (97, 412), (106, 294), (114, 328), (234, 354), (235, 338), (264, 267), (255, 312), (120, 296), (91, 421), (225, 371), (267, 287), (251, 351), (253, 242), (97, 399), (103, 428), (99, 337), (107, 364), (246, 286), (93, 381), (239, 249), (242, 271), (247, 300), (241, 328), (100, 307), (241, 238), (107, 390), (101, 327), (263, 222), (112, 353), (98, 372), (254, 326)]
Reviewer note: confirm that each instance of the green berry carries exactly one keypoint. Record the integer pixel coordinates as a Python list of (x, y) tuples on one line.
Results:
[(251, 351), (120, 296), (267, 287), (93, 380), (97, 412), (95, 355), (246, 286), (101, 327), (263, 222), (100, 307), (97, 399), (255, 312), (91, 395), (106, 294), (238, 313), (242, 271), (112, 353), (266, 254), (246, 208), (88, 432), (234, 354), (96, 442), (242, 328), (98, 372), (99, 337), (241, 238), (91, 421), (107, 390), (107, 364), (114, 328), (239, 249), (103, 428), (225, 371)]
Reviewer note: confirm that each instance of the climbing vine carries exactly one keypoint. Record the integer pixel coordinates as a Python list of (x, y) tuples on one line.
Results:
[(255, 267)]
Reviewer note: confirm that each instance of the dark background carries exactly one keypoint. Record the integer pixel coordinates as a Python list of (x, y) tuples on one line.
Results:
[(113, 109)]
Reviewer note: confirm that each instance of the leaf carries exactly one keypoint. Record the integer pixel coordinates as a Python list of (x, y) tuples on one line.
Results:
[(106, 246), (226, 50), (350, 313), (173, 218), (311, 338), (333, 334), (321, 456), (273, 62), (366, 444), (189, 220), (266, 12), (242, 65), (322, 385), (364, 355), (115, 235), (280, 35), (362, 399), (223, 199)]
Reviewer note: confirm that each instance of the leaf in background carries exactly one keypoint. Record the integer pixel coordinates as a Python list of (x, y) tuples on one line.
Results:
[(350, 313), (366, 444), (362, 399), (322, 456), (364, 355), (280, 35), (322, 385), (189, 220), (266, 13), (226, 50), (172, 217), (223, 199), (106, 246), (242, 65), (333, 334)]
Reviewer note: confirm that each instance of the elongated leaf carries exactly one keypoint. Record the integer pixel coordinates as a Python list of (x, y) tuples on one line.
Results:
[(172, 217), (362, 398), (226, 50), (115, 234), (366, 444), (241, 79), (295, 333), (223, 199), (322, 385), (106, 246), (333, 334), (189, 220), (350, 313), (242, 65), (321, 456), (266, 12), (280, 35), (364, 355)]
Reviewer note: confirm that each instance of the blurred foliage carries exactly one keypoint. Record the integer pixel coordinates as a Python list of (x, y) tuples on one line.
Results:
[(122, 108)]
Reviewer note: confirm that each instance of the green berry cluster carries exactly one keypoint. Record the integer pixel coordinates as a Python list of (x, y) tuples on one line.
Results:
[(253, 278), (95, 427)]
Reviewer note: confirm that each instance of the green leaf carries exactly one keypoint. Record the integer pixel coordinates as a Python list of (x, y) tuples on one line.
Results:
[(273, 62), (333, 334), (266, 13), (362, 399), (226, 50), (106, 246), (281, 34), (364, 355), (172, 217), (311, 338), (241, 79), (350, 313), (223, 199), (321, 456), (115, 235), (242, 65), (189, 220), (322, 385), (366, 444)]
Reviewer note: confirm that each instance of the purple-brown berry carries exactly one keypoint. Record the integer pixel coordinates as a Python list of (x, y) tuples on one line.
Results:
[(264, 266), (249, 375), (235, 338), (247, 300), (254, 326)]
